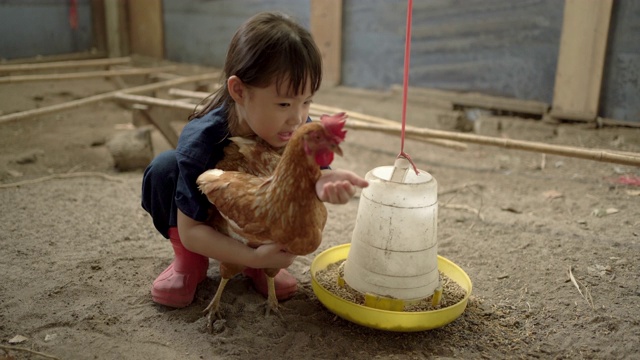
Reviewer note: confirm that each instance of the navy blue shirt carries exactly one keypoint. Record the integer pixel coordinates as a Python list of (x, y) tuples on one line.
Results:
[(200, 148)]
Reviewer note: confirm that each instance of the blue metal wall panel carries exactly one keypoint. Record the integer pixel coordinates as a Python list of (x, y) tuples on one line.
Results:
[(199, 31), (499, 47), (620, 96), (41, 27)]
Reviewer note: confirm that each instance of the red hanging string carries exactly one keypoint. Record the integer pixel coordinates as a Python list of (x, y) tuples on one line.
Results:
[(405, 85)]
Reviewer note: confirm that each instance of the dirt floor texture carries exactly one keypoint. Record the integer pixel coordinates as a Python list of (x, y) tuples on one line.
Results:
[(550, 243)]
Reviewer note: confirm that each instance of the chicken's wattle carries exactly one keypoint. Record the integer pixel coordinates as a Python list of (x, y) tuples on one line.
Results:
[(324, 158)]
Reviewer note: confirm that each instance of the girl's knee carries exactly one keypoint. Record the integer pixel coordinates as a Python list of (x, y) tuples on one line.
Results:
[(164, 163)]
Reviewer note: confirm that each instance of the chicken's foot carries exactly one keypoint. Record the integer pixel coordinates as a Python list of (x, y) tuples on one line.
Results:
[(272, 300), (213, 310)]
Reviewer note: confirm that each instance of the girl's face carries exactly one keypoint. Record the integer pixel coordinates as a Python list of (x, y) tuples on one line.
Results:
[(272, 114)]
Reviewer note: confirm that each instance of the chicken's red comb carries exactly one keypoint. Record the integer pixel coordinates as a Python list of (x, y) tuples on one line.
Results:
[(335, 125)]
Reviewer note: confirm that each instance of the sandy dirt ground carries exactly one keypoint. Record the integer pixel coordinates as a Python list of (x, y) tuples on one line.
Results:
[(79, 254)]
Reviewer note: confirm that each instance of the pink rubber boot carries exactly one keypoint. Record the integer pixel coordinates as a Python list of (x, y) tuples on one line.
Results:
[(286, 284), (176, 285)]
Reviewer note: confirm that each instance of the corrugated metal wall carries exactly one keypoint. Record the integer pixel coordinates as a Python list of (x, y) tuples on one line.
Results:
[(41, 27), (507, 48), (499, 47), (620, 96), (199, 31)]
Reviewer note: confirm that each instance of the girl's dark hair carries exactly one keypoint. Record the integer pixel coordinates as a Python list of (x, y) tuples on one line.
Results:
[(269, 46)]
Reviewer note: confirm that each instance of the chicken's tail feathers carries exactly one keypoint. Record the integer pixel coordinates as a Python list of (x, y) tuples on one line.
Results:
[(206, 180)]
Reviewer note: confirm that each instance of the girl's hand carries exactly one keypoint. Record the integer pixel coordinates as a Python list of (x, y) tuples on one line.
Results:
[(338, 186), (272, 256)]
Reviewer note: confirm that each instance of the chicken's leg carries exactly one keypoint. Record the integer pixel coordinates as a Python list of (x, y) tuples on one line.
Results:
[(213, 310), (272, 300)]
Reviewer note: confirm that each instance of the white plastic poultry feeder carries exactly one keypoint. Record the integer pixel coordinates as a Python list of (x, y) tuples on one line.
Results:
[(393, 258)]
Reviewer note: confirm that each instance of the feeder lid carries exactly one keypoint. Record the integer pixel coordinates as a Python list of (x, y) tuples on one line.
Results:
[(395, 186), (402, 172)]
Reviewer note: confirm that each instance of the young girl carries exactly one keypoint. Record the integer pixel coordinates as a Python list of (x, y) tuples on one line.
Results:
[(272, 70)]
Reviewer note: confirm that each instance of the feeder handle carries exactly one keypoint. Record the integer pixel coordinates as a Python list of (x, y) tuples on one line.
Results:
[(405, 85), (404, 155)]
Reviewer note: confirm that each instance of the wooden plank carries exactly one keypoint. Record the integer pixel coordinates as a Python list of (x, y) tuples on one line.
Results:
[(84, 75), (85, 55), (326, 29), (146, 28), (65, 64), (583, 42)]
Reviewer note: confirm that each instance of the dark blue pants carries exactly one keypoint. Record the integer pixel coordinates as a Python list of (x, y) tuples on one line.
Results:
[(159, 191)]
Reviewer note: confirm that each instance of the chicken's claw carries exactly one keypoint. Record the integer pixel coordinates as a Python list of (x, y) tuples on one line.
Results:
[(273, 309), (213, 311), (213, 316)]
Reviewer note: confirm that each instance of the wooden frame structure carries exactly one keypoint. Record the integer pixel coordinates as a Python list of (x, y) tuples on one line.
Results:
[(151, 110), (371, 123), (27, 114)]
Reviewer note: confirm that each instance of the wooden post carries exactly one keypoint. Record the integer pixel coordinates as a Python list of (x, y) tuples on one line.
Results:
[(116, 28), (99, 25), (585, 29), (326, 28), (146, 29)]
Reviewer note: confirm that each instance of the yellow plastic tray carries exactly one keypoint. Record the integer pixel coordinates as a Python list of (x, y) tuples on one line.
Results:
[(383, 319)]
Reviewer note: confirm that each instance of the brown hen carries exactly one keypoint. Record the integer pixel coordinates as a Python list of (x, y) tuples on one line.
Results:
[(260, 200)]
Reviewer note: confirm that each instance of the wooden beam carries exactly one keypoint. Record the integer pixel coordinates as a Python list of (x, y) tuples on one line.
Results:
[(317, 110), (84, 75), (326, 29), (151, 101), (85, 55), (585, 29), (105, 96), (66, 64), (455, 145), (597, 155), (157, 113), (146, 28)]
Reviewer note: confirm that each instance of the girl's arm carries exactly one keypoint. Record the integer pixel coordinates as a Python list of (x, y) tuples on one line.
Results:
[(338, 186), (205, 240)]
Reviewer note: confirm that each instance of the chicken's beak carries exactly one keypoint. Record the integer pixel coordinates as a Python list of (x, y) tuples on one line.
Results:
[(336, 149)]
